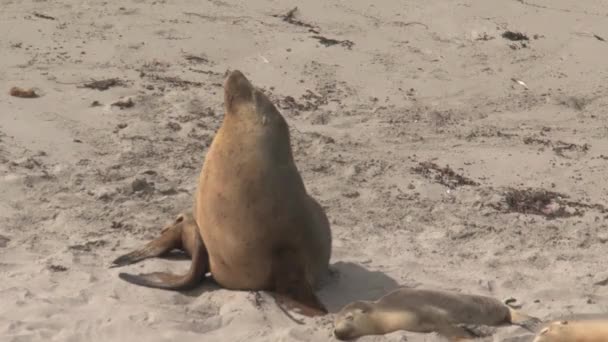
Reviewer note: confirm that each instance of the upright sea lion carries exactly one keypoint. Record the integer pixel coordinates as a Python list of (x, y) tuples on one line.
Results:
[(259, 228), (425, 311), (592, 330)]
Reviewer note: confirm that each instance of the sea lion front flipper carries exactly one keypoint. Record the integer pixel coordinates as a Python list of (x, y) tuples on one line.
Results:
[(455, 333), (161, 280), (170, 238)]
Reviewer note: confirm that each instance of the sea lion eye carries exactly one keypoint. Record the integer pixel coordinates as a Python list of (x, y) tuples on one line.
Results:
[(179, 219)]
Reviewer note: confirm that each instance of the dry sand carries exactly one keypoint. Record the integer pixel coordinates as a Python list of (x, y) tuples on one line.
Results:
[(408, 84)]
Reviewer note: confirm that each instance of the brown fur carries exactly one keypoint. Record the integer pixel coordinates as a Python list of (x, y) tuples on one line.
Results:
[(592, 330), (259, 228), (424, 311)]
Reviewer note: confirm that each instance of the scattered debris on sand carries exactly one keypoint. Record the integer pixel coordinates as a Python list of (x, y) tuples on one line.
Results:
[(514, 36), (521, 83), (173, 81), (308, 102), (330, 42), (43, 16), (196, 59), (536, 141), (4, 241), (577, 102), (104, 84), (442, 175), (289, 17), (122, 104), (88, 246), (57, 268), (537, 202), (561, 148), (487, 132), (26, 93), (550, 204)]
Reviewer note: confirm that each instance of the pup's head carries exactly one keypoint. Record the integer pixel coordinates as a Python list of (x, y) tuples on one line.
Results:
[(355, 320), (552, 333)]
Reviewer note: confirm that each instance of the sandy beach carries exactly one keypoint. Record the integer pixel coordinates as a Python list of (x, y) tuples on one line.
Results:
[(457, 145)]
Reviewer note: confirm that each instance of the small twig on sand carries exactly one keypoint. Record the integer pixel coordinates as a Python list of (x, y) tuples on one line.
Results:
[(403, 24), (289, 17), (43, 16)]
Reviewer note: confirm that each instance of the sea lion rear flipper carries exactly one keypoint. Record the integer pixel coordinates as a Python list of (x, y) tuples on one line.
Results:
[(291, 287), (286, 301), (527, 322), (168, 281)]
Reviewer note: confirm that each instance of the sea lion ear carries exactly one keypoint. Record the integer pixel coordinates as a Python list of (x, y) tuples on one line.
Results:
[(237, 89)]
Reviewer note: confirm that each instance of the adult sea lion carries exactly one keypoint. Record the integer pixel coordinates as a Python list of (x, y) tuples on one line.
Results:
[(258, 227)]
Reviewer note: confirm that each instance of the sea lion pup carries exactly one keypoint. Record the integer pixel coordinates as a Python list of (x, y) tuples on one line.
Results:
[(260, 229), (425, 311), (593, 330)]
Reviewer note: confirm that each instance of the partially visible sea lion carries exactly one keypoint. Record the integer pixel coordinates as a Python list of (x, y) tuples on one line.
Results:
[(425, 311), (593, 330), (259, 228)]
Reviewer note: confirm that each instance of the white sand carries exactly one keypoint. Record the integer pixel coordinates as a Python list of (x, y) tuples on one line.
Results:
[(67, 205)]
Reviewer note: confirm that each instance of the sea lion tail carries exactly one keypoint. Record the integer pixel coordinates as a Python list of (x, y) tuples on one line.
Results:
[(168, 281)]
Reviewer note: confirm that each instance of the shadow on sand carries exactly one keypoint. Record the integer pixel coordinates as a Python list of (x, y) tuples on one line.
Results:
[(346, 282), (350, 282)]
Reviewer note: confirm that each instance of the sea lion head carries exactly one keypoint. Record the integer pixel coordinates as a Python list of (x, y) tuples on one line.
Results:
[(250, 113), (354, 320), (552, 332), (238, 92), (245, 101)]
